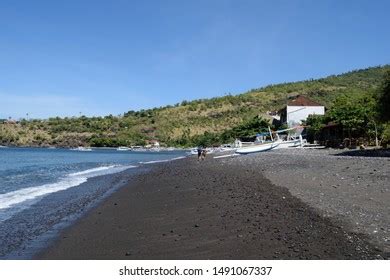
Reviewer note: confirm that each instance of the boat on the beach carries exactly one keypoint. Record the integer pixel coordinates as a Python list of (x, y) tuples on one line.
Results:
[(260, 147), (123, 149), (82, 149), (292, 143), (225, 148), (194, 151), (264, 142), (293, 138), (2, 147)]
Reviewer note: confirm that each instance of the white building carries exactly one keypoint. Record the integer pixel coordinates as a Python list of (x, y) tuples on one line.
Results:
[(298, 109)]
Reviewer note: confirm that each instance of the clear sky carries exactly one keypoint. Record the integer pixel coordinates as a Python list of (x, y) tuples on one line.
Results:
[(102, 57)]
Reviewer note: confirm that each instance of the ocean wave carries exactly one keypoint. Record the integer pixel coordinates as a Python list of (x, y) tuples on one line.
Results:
[(15, 197), (102, 170), (176, 158), (154, 161), (12, 198), (162, 160)]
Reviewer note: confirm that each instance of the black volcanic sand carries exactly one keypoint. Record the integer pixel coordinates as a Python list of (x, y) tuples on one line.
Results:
[(207, 210)]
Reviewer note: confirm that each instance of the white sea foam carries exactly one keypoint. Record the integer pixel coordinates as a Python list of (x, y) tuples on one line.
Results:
[(92, 170), (176, 158), (22, 195), (103, 170), (154, 161), (162, 160), (10, 199)]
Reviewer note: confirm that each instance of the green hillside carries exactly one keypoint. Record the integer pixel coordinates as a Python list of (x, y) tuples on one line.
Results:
[(184, 124)]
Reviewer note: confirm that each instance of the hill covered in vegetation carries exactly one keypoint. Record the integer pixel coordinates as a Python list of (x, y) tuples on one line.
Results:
[(189, 123)]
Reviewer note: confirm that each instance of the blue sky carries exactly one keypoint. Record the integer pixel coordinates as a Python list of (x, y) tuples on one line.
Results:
[(102, 57)]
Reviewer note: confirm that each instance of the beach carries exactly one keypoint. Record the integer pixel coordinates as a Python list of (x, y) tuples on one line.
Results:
[(45, 190), (282, 204)]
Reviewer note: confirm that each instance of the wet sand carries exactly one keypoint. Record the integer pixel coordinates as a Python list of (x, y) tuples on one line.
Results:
[(216, 209)]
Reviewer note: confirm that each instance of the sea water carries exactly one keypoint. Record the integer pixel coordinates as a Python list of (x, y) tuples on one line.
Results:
[(41, 188)]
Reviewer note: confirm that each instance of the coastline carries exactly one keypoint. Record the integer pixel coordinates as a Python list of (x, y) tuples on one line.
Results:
[(216, 209), (31, 215), (37, 233)]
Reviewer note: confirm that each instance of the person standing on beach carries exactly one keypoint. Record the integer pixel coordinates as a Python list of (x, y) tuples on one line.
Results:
[(200, 151), (204, 152)]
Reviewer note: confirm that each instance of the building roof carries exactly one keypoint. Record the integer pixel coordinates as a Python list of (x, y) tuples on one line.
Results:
[(301, 100)]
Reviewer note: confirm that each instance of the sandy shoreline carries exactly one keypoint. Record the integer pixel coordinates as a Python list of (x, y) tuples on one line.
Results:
[(353, 190), (220, 209)]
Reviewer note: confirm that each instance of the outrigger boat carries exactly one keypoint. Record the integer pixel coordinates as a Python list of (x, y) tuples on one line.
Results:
[(255, 148), (123, 148), (260, 145), (194, 151), (82, 149), (291, 140)]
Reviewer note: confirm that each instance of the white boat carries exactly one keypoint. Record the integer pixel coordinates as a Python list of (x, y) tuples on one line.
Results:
[(138, 149), (123, 149), (292, 143), (225, 148), (82, 149), (141, 149), (194, 151), (261, 147), (261, 144), (288, 144), (2, 147), (291, 140)]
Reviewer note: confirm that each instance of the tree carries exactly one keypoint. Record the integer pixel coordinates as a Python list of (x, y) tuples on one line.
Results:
[(356, 113), (247, 129), (384, 98), (206, 140), (315, 123)]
